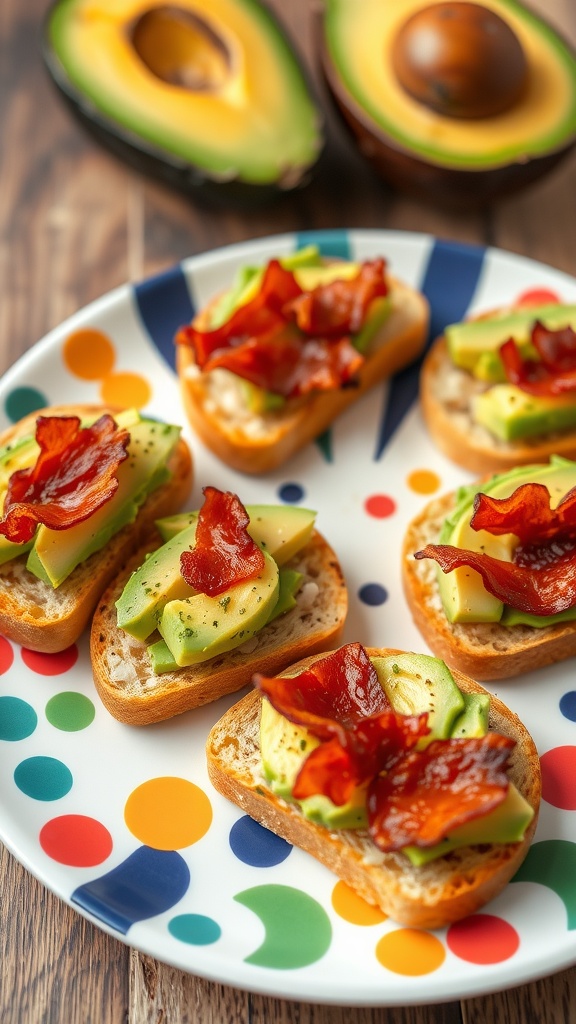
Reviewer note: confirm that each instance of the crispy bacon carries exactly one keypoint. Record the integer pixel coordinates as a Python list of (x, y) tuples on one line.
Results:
[(224, 553), (289, 341), (541, 578), (338, 308), (554, 373), (428, 793), (364, 742), (527, 514), (289, 365), (73, 476)]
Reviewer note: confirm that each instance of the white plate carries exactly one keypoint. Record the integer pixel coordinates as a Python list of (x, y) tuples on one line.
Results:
[(80, 795)]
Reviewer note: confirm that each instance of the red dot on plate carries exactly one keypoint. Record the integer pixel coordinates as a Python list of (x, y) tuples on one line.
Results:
[(558, 772), (483, 939), (6, 655), (50, 664), (537, 297), (76, 840), (380, 506)]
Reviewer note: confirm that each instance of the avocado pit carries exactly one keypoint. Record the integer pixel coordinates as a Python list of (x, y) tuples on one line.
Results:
[(180, 48), (461, 60)]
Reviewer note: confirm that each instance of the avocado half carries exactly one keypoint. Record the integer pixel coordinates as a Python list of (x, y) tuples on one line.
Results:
[(208, 95), (393, 97)]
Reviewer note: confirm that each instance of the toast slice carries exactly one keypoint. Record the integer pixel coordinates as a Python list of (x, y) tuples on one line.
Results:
[(430, 896), (132, 692), (38, 617), (447, 394), (258, 442), (484, 650)]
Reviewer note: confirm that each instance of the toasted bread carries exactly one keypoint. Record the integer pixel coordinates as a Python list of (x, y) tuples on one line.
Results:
[(131, 691), (446, 395), (484, 650), (256, 443), (41, 618), (429, 896)]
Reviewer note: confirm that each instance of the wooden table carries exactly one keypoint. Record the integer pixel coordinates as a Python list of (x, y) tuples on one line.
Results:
[(75, 223)]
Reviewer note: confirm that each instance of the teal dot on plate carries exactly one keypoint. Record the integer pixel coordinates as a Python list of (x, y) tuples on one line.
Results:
[(43, 778), (23, 401), (17, 719), (195, 929), (70, 711)]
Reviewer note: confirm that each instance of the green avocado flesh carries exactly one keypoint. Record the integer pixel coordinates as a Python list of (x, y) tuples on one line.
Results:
[(505, 410), (429, 687), (194, 627), (359, 41), (215, 86), (54, 554), (464, 598), (200, 627)]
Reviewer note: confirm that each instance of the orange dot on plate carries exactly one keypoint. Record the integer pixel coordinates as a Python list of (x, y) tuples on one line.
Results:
[(537, 297), (423, 481), (125, 390), (351, 907), (168, 813), (410, 952), (89, 354)]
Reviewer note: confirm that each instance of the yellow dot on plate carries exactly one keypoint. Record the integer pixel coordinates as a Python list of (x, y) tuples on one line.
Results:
[(411, 952), (423, 481), (89, 354), (351, 907), (168, 813), (125, 390)]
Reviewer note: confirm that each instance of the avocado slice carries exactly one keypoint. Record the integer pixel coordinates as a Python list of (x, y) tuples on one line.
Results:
[(200, 627), (210, 97), (511, 414), (284, 746), (56, 553), (464, 598), (470, 340), (358, 49), (281, 530)]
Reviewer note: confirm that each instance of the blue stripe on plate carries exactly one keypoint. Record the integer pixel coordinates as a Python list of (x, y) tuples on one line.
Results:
[(164, 304), (449, 283), (330, 243)]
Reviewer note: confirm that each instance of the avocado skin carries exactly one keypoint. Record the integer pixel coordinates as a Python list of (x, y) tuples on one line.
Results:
[(453, 188), (160, 164)]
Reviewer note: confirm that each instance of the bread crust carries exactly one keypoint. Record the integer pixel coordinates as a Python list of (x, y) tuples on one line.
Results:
[(40, 618), (132, 693), (446, 393), (430, 896), (483, 650), (281, 434)]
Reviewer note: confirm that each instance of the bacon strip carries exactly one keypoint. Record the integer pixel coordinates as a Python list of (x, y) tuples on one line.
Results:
[(430, 792), (527, 514), (424, 794), (224, 553), (289, 341), (74, 475), (535, 585), (555, 371)]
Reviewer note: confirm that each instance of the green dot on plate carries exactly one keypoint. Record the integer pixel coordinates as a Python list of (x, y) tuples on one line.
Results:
[(70, 711), (43, 778), (195, 929), (22, 401), (17, 719)]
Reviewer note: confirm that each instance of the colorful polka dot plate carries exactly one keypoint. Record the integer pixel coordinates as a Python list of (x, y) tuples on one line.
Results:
[(122, 823)]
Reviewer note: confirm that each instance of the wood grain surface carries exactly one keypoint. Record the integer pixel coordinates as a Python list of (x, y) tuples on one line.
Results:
[(75, 223)]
